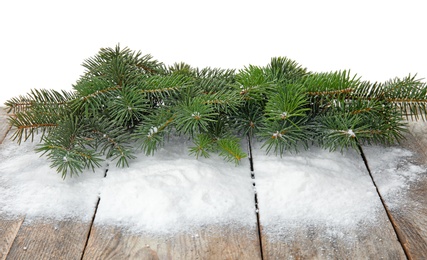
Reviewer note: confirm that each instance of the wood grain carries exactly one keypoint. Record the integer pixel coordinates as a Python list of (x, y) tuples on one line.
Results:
[(316, 242), (215, 242), (8, 229), (50, 239), (410, 217), (4, 125)]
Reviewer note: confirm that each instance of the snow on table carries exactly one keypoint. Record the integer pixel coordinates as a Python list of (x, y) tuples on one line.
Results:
[(38, 209), (173, 192), (314, 203), (28, 186), (175, 206), (401, 176), (320, 204)]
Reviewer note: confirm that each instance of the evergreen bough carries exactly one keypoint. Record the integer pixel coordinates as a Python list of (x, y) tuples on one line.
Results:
[(126, 98)]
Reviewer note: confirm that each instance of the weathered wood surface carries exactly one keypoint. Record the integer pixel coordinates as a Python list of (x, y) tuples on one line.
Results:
[(9, 226), (215, 242), (308, 240), (67, 239), (50, 240), (8, 229), (316, 242), (409, 210), (4, 125)]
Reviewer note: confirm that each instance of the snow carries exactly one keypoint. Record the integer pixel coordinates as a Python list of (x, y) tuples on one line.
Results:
[(314, 187), (173, 192), (395, 171), (333, 192), (169, 192), (28, 186)]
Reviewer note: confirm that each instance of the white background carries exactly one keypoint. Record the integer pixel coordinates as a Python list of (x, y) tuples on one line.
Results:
[(43, 43)]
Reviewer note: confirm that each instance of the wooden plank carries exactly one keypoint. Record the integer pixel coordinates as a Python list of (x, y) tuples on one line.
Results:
[(50, 239), (312, 236), (418, 130), (407, 205), (4, 125), (316, 242), (214, 242), (8, 229)]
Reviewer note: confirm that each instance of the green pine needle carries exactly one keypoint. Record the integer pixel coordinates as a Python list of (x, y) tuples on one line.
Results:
[(231, 150), (125, 97)]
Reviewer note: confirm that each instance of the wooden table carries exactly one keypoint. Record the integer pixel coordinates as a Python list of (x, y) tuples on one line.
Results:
[(397, 235)]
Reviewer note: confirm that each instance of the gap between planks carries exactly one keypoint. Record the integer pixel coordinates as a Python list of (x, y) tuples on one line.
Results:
[(396, 228), (259, 230)]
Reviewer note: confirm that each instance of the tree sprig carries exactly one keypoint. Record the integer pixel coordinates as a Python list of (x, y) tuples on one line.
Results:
[(127, 101)]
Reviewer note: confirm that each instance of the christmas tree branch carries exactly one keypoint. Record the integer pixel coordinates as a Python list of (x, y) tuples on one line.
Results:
[(42, 97), (125, 97)]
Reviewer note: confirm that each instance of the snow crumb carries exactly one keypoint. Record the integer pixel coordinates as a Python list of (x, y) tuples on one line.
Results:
[(351, 133), (196, 115), (153, 130), (284, 115), (276, 135)]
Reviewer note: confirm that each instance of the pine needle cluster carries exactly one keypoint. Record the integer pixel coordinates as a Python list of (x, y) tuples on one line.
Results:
[(127, 101)]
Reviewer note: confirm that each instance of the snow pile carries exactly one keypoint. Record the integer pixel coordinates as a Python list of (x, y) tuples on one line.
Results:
[(395, 171), (314, 188), (169, 192), (28, 186), (173, 192)]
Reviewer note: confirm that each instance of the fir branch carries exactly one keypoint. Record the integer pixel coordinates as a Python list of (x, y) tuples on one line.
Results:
[(182, 69), (160, 88), (41, 97), (125, 97), (112, 142), (254, 84), (285, 70), (70, 162), (44, 119), (281, 136), (68, 151), (203, 144), (407, 95), (248, 119), (121, 66), (338, 131), (226, 100), (150, 133), (128, 108), (93, 95), (230, 149), (331, 92), (286, 102), (102, 92), (332, 83), (193, 116)]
